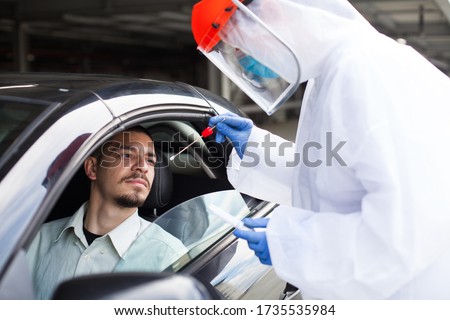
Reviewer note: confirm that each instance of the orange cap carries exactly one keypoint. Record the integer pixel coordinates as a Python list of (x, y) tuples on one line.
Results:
[(208, 18)]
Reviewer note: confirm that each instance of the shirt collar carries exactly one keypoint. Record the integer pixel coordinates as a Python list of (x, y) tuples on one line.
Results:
[(76, 223), (124, 234), (121, 237)]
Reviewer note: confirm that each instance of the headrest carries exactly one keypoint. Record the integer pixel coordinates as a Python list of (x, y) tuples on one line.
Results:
[(161, 191)]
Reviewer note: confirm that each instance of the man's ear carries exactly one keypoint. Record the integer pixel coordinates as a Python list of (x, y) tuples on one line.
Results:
[(90, 168)]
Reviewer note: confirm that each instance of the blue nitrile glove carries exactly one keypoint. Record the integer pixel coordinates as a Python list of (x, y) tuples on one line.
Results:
[(236, 128), (255, 67), (257, 240)]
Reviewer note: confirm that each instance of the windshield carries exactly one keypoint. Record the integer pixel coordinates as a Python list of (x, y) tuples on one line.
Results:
[(16, 114), (193, 223)]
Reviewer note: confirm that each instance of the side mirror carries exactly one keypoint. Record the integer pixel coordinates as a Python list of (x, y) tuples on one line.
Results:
[(136, 286)]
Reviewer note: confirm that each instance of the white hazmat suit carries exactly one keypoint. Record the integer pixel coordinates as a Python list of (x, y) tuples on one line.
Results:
[(365, 189)]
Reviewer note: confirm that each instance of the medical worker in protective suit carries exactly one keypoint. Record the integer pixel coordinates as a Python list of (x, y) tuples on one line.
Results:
[(371, 220)]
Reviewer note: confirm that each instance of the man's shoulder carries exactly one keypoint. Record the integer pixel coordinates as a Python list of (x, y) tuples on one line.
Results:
[(52, 229), (58, 224), (46, 236)]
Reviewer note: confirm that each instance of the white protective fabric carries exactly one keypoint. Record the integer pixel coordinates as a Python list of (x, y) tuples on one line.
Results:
[(378, 225)]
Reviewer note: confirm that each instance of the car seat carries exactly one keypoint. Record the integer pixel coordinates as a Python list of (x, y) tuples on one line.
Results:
[(161, 191)]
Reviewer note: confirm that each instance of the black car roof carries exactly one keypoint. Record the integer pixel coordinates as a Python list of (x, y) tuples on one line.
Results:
[(71, 80), (106, 86)]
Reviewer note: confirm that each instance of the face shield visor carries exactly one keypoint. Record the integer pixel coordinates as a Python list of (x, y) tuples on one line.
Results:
[(244, 48)]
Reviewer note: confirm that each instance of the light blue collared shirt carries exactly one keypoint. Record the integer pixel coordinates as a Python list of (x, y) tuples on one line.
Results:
[(60, 250)]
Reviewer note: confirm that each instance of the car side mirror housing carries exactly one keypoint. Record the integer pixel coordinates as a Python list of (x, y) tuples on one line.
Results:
[(136, 286)]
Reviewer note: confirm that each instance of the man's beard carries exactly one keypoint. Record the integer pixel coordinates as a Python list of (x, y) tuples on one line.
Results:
[(129, 200)]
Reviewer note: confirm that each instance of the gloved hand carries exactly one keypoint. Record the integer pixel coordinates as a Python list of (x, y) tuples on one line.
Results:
[(236, 128), (257, 240)]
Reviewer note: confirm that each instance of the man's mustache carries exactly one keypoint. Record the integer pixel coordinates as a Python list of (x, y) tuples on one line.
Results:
[(137, 175)]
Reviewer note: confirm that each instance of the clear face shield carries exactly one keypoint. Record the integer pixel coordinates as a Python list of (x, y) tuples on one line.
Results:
[(255, 59)]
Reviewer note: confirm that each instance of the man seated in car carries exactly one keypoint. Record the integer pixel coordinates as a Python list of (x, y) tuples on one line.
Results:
[(101, 235)]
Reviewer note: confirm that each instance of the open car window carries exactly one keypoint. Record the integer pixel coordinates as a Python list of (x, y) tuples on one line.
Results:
[(193, 223), (179, 231)]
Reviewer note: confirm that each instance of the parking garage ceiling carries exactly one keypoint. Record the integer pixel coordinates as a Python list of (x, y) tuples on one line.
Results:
[(164, 26)]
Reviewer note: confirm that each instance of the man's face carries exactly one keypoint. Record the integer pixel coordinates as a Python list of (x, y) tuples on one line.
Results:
[(125, 171)]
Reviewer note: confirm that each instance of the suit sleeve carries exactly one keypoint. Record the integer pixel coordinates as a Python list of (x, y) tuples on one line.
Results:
[(258, 173)]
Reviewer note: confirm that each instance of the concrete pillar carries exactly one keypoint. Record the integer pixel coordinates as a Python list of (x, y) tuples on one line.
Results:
[(21, 47), (214, 79)]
